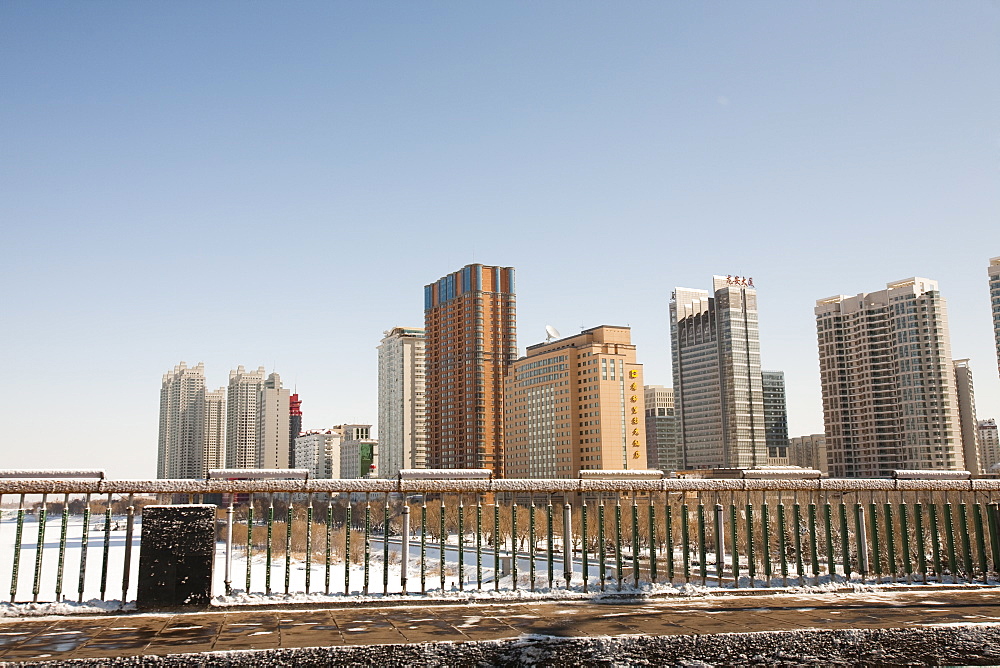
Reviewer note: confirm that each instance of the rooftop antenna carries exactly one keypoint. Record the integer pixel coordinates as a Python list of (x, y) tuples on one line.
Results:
[(551, 333)]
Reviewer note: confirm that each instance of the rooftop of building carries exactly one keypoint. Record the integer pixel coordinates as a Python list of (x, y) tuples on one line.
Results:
[(599, 334)]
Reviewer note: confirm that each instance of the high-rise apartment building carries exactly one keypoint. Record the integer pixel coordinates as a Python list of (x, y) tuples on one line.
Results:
[(718, 396), (181, 447), (809, 452), (257, 420), (663, 450), (989, 446), (242, 408), (968, 424), (274, 423), (575, 404), (994, 273), (215, 429), (470, 323), (294, 425), (402, 409), (889, 397), (775, 416)]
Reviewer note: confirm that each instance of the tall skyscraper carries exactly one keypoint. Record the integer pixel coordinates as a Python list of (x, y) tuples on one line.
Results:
[(257, 420), (242, 410), (968, 424), (470, 322), (402, 409), (989, 445), (294, 425), (994, 272), (575, 404), (775, 416), (718, 396), (274, 423), (215, 429), (663, 450), (889, 397), (181, 447)]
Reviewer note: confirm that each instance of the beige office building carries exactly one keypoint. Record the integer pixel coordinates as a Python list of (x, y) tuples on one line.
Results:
[(575, 404), (889, 394)]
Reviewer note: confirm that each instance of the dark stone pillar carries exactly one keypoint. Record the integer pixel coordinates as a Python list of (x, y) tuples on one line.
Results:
[(175, 556)]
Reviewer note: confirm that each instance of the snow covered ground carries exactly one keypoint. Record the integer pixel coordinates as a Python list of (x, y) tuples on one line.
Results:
[(382, 578)]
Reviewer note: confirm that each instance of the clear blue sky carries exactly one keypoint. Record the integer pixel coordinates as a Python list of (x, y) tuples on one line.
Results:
[(273, 184)]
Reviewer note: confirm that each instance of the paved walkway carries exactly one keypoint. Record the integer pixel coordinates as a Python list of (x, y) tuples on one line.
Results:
[(66, 638)]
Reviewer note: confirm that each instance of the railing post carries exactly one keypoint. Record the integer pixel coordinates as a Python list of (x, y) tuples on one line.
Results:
[(17, 550), (40, 550), (585, 566), (720, 542), (993, 523), (309, 526), (129, 531), (84, 540), (229, 546), (405, 558), (567, 543), (861, 536), (62, 547)]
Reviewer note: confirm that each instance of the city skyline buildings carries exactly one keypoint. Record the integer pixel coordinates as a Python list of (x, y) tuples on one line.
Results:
[(772, 384)]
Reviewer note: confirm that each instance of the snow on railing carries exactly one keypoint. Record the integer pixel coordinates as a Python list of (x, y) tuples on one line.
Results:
[(307, 537)]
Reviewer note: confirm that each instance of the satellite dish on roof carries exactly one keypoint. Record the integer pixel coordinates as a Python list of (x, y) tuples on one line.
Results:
[(552, 333)]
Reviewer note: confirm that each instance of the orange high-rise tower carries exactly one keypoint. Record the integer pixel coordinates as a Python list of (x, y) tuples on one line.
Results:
[(470, 322)]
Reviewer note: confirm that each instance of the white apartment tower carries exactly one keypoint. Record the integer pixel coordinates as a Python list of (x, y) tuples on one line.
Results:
[(715, 348), (402, 417), (994, 272), (889, 394), (215, 429), (181, 446), (257, 421)]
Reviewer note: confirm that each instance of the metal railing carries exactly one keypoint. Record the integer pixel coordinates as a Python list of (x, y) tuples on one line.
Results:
[(388, 537)]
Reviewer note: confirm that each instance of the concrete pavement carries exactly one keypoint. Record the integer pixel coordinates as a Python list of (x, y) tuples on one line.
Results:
[(145, 636)]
